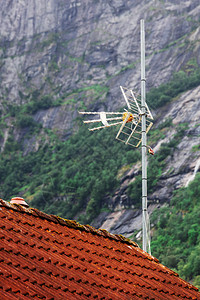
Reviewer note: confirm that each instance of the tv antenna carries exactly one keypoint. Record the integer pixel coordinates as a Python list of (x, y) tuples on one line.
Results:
[(135, 122)]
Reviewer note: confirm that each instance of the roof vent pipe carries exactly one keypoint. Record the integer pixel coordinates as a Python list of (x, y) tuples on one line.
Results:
[(20, 201)]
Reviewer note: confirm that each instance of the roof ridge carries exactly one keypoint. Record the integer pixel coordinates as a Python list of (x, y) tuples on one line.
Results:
[(74, 224), (69, 223)]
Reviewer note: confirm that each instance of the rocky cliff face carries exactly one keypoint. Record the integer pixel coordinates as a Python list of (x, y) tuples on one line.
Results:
[(78, 53), (56, 47)]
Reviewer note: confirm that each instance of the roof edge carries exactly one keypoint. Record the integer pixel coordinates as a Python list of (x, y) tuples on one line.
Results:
[(74, 224), (65, 222)]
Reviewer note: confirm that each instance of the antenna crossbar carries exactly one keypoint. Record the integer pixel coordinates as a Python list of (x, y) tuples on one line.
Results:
[(97, 113), (99, 120)]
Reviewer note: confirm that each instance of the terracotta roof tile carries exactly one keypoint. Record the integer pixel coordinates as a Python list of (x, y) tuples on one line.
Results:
[(47, 257)]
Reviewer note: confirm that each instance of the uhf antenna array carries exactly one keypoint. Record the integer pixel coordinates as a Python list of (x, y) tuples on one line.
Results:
[(130, 131), (134, 123)]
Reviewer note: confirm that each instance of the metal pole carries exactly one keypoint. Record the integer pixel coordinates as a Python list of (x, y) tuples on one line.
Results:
[(144, 144)]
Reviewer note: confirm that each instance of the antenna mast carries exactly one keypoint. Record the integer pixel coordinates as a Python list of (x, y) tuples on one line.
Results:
[(134, 123), (145, 219)]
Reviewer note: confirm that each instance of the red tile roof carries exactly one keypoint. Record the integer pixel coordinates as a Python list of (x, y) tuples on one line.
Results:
[(47, 257)]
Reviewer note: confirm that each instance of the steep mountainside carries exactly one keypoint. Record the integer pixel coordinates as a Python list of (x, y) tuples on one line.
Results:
[(58, 57), (76, 54)]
